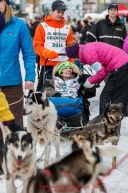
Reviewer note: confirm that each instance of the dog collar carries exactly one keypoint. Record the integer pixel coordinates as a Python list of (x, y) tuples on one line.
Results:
[(47, 173), (105, 137)]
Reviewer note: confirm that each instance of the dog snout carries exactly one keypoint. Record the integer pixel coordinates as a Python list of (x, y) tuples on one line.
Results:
[(75, 146), (117, 119), (97, 150), (19, 157)]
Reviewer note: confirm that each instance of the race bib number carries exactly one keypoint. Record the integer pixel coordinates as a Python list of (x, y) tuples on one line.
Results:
[(97, 66), (57, 45)]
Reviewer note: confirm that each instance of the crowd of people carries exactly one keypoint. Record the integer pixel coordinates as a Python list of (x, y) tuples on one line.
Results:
[(98, 44)]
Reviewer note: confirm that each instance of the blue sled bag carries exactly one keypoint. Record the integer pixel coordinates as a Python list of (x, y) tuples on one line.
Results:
[(67, 107)]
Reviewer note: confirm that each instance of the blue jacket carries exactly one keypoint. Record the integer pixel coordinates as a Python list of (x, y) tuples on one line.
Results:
[(16, 37)]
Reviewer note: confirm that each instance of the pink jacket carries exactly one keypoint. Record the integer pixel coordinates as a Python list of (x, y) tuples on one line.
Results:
[(109, 56), (125, 44)]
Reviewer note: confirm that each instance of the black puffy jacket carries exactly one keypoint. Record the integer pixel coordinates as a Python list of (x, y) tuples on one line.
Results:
[(108, 32)]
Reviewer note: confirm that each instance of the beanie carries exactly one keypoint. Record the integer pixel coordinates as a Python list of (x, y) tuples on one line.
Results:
[(72, 51), (2, 22), (63, 65)]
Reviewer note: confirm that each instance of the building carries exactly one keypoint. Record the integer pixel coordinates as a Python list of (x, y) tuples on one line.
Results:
[(75, 7)]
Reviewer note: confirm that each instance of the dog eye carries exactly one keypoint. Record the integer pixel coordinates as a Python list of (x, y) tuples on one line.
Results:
[(15, 145), (25, 144), (30, 103), (81, 138), (113, 112)]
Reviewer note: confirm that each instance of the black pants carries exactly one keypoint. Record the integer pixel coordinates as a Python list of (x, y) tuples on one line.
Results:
[(40, 82), (116, 89)]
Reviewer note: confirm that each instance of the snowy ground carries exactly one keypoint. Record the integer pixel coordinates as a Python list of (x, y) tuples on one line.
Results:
[(117, 182)]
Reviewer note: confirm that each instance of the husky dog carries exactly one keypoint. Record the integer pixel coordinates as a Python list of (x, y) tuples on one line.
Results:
[(110, 130), (80, 138), (80, 168), (42, 121), (19, 157)]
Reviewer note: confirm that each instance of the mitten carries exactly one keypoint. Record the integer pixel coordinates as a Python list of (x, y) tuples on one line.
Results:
[(82, 78), (50, 54), (5, 113), (2, 22), (87, 84)]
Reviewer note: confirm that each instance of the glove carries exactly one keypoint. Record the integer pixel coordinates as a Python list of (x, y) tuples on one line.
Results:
[(2, 22), (5, 113), (87, 84), (82, 78), (50, 54)]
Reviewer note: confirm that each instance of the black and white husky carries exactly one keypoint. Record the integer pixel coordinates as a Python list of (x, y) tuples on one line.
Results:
[(41, 122), (19, 157)]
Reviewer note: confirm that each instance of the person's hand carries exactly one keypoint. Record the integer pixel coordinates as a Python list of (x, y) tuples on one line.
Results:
[(50, 54), (87, 84), (29, 85), (82, 78)]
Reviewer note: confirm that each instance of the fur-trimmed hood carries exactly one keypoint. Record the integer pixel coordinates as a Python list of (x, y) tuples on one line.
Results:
[(75, 70)]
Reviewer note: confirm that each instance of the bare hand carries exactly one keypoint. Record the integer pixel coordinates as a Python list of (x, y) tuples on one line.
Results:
[(29, 85)]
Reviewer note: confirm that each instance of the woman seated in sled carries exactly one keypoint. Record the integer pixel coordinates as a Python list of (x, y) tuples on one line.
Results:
[(64, 81)]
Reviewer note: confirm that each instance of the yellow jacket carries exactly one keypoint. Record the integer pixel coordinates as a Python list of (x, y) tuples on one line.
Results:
[(5, 113)]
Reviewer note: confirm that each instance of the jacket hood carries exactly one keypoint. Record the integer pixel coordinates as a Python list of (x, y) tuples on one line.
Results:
[(53, 23), (75, 70)]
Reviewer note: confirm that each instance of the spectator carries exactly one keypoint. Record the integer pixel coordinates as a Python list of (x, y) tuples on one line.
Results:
[(126, 24), (122, 19), (30, 26), (74, 25), (109, 30), (83, 33), (78, 27), (15, 36), (90, 23), (51, 37), (104, 58)]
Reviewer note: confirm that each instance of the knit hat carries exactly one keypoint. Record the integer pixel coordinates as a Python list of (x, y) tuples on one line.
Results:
[(2, 22), (63, 65), (9, 2), (72, 51)]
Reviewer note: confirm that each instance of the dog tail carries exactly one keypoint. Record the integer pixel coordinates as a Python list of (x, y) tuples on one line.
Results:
[(41, 142), (111, 150)]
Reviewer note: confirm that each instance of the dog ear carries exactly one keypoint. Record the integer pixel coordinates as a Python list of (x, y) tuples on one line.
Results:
[(122, 106), (29, 93), (12, 137), (29, 137), (44, 96), (107, 106), (5, 130)]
